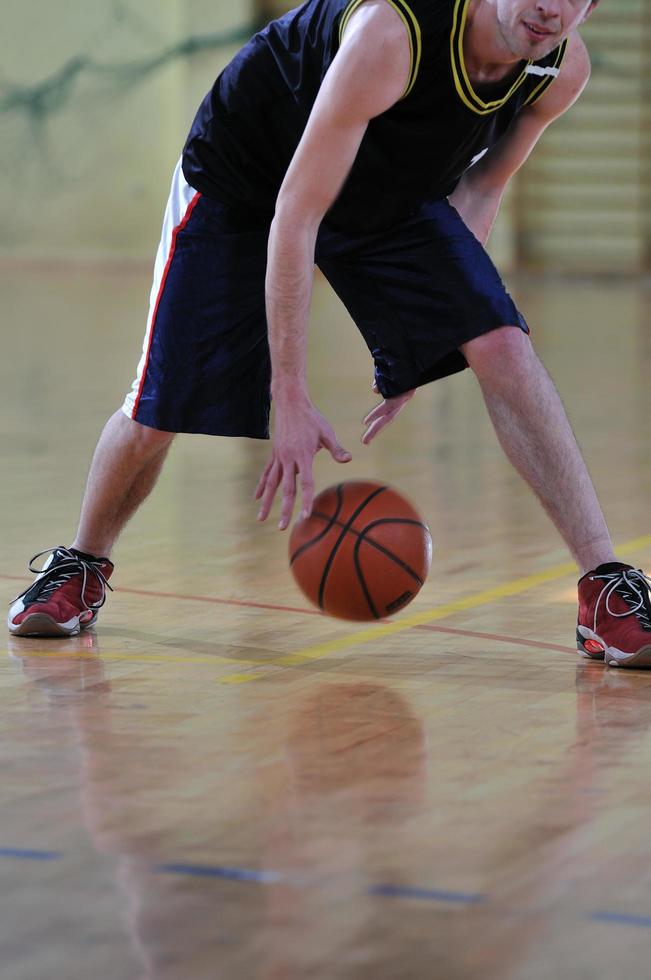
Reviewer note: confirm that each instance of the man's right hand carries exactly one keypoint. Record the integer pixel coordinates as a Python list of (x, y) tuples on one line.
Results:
[(374, 63), (300, 431)]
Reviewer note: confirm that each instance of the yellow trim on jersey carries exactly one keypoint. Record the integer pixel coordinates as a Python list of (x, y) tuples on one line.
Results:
[(346, 15), (546, 82), (412, 26), (465, 91)]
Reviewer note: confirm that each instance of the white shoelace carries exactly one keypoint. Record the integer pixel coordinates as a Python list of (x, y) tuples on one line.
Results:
[(631, 585), (66, 567)]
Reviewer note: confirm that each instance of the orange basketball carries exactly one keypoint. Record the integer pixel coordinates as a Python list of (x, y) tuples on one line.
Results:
[(363, 553)]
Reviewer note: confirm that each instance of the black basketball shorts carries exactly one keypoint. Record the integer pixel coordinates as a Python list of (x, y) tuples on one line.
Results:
[(416, 291)]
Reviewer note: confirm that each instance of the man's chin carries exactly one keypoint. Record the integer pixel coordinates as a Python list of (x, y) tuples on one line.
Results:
[(538, 47), (533, 52)]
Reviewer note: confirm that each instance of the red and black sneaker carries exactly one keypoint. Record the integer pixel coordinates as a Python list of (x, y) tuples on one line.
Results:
[(615, 616), (69, 590)]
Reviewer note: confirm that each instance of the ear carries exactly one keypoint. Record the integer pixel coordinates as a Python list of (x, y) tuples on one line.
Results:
[(589, 11)]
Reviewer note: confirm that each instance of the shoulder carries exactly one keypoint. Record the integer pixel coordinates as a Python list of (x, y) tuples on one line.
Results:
[(573, 77), (575, 70), (375, 40), (373, 19)]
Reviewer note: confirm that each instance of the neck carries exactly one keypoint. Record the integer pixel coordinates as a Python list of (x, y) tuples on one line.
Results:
[(485, 52)]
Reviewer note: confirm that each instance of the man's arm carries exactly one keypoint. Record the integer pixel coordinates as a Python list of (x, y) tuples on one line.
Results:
[(479, 193), (368, 75)]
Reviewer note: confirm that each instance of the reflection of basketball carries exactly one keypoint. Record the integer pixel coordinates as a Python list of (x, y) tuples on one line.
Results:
[(363, 553)]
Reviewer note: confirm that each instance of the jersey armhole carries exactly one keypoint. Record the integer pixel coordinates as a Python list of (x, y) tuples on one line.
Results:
[(549, 75), (408, 18)]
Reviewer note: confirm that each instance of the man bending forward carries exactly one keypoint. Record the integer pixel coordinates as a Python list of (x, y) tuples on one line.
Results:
[(375, 138)]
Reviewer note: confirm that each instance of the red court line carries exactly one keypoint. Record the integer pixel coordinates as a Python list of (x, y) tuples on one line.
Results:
[(222, 602), (249, 604), (497, 636)]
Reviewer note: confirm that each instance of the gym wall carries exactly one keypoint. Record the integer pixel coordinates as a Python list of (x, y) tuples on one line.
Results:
[(96, 100)]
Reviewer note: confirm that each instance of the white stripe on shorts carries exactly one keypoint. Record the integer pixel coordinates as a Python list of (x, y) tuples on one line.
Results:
[(180, 199)]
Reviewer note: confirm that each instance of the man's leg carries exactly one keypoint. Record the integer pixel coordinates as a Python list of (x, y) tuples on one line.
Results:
[(534, 432), (126, 464), (614, 621), (66, 597)]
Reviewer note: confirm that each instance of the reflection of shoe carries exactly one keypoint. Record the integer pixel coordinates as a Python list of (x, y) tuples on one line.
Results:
[(66, 596), (70, 670), (615, 616)]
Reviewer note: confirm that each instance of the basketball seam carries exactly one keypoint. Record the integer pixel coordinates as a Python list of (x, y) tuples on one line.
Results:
[(331, 520), (361, 579), (386, 551), (335, 547), (376, 544), (362, 538)]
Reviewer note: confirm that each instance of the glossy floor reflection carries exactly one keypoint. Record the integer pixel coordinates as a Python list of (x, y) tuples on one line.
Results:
[(220, 783)]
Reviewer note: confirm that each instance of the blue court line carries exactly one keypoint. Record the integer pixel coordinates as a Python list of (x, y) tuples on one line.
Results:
[(427, 894), (272, 877), (622, 919), (219, 871), (16, 852), (383, 891)]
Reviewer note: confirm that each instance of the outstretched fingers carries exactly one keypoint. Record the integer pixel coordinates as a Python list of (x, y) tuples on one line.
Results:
[(376, 413), (291, 462), (376, 420), (285, 476), (307, 492), (288, 496), (262, 482), (383, 414), (266, 489)]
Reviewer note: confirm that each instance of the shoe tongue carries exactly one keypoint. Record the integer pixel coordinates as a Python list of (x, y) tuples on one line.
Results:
[(609, 567), (54, 557)]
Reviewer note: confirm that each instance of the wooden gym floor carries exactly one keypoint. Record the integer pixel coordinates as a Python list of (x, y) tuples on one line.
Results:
[(220, 783)]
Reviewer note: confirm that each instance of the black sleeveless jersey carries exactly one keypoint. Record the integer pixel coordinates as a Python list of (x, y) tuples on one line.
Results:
[(248, 126)]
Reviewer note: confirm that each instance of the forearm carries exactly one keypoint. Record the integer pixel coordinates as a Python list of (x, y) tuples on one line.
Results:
[(290, 274), (478, 204), (299, 428)]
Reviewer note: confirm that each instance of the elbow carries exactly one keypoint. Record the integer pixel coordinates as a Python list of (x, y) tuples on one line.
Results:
[(292, 235), (297, 214)]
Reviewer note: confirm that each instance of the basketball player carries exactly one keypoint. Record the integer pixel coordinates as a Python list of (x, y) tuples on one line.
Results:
[(375, 138)]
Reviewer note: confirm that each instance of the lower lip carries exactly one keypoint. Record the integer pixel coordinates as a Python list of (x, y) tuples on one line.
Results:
[(535, 35)]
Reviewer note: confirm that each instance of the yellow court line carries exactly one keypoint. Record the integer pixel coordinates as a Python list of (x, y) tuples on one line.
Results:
[(515, 587), (319, 650)]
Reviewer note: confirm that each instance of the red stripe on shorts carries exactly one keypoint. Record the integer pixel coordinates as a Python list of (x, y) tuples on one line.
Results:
[(179, 227)]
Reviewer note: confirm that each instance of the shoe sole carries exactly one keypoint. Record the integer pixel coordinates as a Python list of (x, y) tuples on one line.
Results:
[(639, 660), (39, 624)]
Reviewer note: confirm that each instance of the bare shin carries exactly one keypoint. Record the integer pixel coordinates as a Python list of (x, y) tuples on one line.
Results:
[(123, 472), (536, 436)]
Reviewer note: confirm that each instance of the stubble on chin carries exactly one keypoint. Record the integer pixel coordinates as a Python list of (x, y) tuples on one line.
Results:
[(522, 49)]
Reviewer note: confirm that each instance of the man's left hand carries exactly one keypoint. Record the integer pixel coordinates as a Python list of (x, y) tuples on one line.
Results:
[(384, 413)]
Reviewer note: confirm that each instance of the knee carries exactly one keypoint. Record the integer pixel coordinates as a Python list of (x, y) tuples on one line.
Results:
[(144, 440), (499, 353)]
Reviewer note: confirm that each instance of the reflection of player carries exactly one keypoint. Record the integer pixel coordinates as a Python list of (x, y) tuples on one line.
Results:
[(377, 139), (571, 852), (533, 845), (143, 801), (346, 796), (356, 762), (349, 777), (360, 743)]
